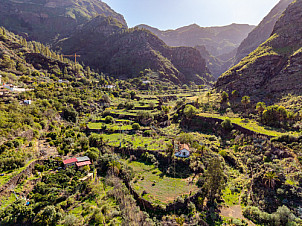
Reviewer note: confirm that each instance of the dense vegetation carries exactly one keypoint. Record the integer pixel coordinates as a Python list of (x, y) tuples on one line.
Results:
[(244, 155)]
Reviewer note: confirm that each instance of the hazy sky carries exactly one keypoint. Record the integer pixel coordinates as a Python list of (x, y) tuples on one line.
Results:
[(171, 14)]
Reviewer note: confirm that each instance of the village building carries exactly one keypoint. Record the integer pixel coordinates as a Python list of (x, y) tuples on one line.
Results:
[(79, 162), (109, 86), (28, 102), (146, 82), (82, 164), (183, 151), (69, 162)]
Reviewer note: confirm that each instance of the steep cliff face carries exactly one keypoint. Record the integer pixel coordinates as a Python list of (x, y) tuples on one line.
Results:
[(262, 32), (45, 20), (106, 44), (219, 44), (275, 66)]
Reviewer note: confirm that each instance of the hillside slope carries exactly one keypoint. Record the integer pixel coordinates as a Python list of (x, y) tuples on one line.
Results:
[(45, 20), (111, 47), (275, 66), (262, 32)]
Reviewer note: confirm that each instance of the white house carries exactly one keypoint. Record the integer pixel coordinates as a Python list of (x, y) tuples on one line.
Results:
[(28, 102), (183, 151), (109, 86), (146, 82)]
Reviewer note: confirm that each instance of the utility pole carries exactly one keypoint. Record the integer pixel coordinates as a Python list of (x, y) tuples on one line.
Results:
[(75, 57)]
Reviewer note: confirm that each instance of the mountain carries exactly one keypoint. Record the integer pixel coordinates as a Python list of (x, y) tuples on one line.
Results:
[(217, 41), (46, 20), (92, 29), (275, 66), (108, 45), (217, 65), (262, 32)]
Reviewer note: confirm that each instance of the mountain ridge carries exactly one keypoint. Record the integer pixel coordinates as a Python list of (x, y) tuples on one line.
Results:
[(262, 32), (275, 66), (115, 49)]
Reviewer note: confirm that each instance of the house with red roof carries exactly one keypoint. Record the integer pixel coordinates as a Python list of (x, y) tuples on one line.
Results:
[(70, 162), (79, 162)]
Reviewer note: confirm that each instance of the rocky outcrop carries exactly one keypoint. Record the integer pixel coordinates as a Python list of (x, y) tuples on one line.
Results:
[(46, 20), (107, 45), (274, 68), (262, 32)]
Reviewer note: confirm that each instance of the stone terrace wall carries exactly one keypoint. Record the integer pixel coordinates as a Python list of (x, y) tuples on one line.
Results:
[(15, 180), (196, 124)]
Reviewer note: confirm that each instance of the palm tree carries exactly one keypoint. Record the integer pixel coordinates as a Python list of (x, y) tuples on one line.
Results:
[(115, 167), (270, 179), (245, 101), (208, 95), (260, 107)]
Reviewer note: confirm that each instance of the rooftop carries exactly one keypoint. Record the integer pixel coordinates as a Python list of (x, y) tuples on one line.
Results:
[(83, 163), (68, 161), (184, 146), (83, 159)]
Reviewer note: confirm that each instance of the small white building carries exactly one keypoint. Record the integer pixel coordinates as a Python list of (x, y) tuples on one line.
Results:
[(28, 102), (146, 82), (183, 151), (109, 86), (8, 86)]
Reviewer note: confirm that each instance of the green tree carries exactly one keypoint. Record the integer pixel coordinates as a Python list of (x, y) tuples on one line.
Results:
[(70, 114), (283, 216), (260, 107), (108, 119), (136, 126), (227, 124), (235, 94), (96, 140), (190, 111), (282, 114), (47, 216), (224, 97), (214, 179), (245, 101), (132, 94), (208, 95), (274, 115), (270, 179)]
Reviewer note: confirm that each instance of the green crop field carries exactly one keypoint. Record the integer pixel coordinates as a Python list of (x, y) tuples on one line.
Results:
[(160, 188)]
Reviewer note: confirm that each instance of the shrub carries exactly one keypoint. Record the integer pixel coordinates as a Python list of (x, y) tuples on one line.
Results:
[(147, 133), (135, 126), (227, 124), (109, 119)]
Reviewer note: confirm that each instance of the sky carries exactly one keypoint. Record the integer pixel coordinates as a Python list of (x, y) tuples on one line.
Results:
[(171, 14)]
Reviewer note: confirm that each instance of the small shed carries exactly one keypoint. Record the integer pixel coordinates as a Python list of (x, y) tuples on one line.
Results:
[(183, 151)]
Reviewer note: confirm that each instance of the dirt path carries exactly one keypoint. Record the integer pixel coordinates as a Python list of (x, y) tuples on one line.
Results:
[(236, 211)]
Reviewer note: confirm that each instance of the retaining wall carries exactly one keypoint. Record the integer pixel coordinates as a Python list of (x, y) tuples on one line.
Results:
[(15, 180)]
